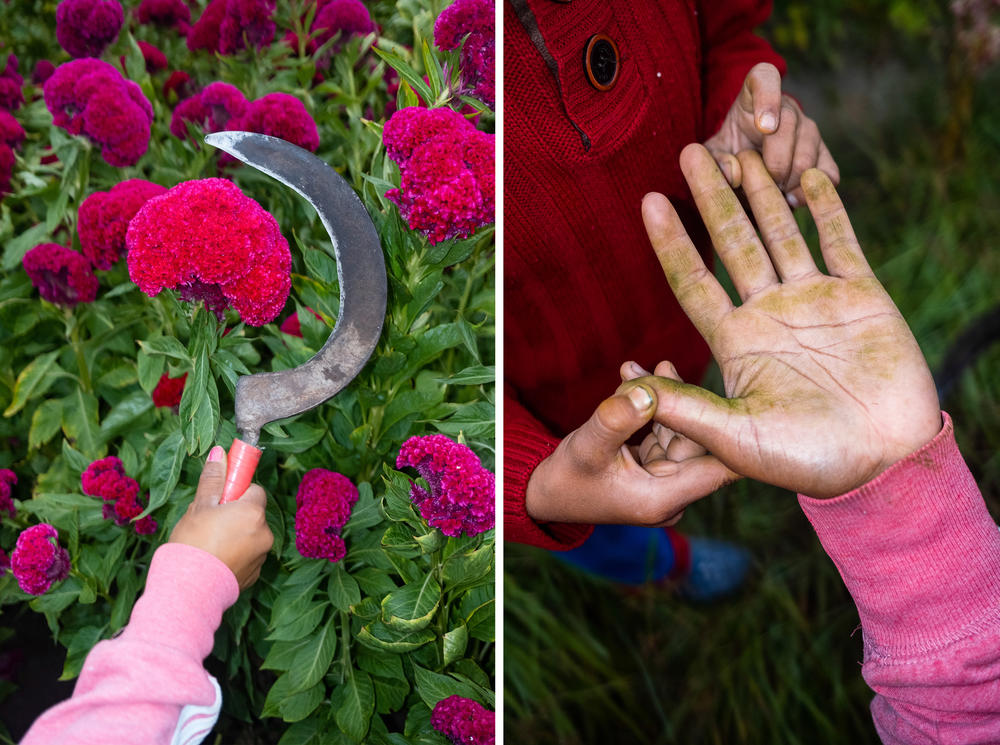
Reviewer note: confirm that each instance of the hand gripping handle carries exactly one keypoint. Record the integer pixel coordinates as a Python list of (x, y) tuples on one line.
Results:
[(243, 459)]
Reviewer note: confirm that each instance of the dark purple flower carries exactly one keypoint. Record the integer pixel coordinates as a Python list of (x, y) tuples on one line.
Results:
[(6, 168), (227, 24), (280, 115), (11, 131), (7, 480), (464, 721), (61, 275), (212, 109), (90, 97), (38, 561), (85, 27), (104, 216), (43, 71), (324, 502), (106, 478), (4, 566), (462, 495), (145, 526), (346, 17), (165, 13), (154, 58), (11, 95), (475, 19), (178, 84), (205, 33), (446, 172)]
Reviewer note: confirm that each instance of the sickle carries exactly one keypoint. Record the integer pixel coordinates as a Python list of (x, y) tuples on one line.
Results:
[(266, 397)]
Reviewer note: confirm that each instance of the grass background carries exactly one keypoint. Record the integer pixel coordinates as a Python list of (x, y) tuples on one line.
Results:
[(907, 113)]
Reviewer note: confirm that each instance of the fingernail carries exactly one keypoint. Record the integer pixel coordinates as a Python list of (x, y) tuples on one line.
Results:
[(793, 202), (768, 121), (638, 369), (215, 454), (640, 397)]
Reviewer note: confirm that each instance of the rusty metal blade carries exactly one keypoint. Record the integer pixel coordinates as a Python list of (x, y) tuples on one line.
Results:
[(266, 397)]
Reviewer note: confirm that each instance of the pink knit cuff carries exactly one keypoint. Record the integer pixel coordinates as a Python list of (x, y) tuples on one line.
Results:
[(917, 550), (187, 591)]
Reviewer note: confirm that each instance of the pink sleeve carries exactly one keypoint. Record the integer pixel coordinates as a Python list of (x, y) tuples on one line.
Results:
[(134, 687), (920, 554)]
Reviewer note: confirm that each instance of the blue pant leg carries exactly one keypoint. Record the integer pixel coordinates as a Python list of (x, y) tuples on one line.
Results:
[(623, 553)]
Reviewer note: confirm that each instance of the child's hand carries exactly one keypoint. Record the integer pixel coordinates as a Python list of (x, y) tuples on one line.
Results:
[(763, 119), (236, 533), (594, 477), (826, 386)]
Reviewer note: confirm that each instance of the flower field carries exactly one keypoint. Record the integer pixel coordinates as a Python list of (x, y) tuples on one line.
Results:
[(143, 272)]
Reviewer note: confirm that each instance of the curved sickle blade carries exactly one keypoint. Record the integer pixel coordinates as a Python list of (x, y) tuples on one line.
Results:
[(265, 397)]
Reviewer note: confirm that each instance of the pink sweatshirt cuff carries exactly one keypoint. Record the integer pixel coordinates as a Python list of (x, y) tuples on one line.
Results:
[(187, 591), (917, 550)]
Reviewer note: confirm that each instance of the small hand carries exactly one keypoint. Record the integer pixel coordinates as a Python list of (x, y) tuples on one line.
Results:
[(594, 477), (826, 386), (236, 533), (763, 119)]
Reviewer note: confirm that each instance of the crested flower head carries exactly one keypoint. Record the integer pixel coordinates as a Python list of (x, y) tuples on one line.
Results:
[(7, 480), (11, 131), (61, 275), (168, 391), (4, 561), (446, 172), (155, 59), (177, 85), (280, 115), (165, 13), (225, 24), (476, 19), (106, 478), (210, 241), (324, 502), (90, 97), (11, 95), (461, 493), (104, 216), (38, 561), (85, 27), (464, 721), (43, 71), (7, 161), (346, 17), (213, 109)]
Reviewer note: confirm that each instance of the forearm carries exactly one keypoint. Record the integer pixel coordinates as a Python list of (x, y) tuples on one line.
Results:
[(920, 555), (134, 688)]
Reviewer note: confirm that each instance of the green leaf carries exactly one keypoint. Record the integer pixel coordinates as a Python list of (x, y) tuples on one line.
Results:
[(18, 247), (307, 732), (110, 559), (390, 694), (312, 661), (282, 654), (167, 346), (45, 422), (150, 369), (353, 703), (469, 338), (481, 621), (407, 73), (296, 596), (412, 607), (374, 582), (303, 624), (127, 587), (366, 512), (433, 687), (378, 636), (125, 412), (464, 570), (32, 381), (166, 470), (475, 375), (398, 505), (58, 598), (292, 707), (301, 437), (80, 422), (455, 642), (343, 589), (76, 460), (78, 646), (379, 665)]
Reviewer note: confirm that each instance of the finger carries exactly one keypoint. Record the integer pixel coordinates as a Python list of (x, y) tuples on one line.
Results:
[(672, 487), (616, 419), (729, 166), (827, 165), (806, 155), (779, 149), (699, 293), (785, 244), (761, 95), (666, 369), (733, 236), (254, 495), (213, 478), (682, 448), (650, 450), (841, 251), (632, 370), (697, 414)]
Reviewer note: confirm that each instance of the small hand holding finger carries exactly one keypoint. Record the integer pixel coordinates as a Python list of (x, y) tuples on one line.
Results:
[(669, 445)]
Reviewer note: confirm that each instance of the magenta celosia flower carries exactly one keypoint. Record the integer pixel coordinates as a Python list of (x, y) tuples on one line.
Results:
[(165, 13), (7, 480), (462, 493), (38, 561), (213, 109), (43, 71), (90, 97), (61, 275), (11, 95), (475, 19), (4, 564), (146, 526), (177, 87), (207, 237), (225, 25), (324, 502), (446, 172), (464, 721), (346, 17), (168, 391), (280, 115), (205, 32), (11, 131), (104, 216), (6, 168), (155, 59), (106, 478), (85, 27)]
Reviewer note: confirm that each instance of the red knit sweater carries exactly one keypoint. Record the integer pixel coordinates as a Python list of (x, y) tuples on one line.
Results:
[(583, 291)]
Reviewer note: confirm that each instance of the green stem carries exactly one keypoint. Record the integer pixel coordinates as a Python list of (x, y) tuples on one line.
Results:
[(345, 643), (81, 361)]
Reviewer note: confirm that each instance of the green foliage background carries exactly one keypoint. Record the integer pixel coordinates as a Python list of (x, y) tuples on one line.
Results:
[(914, 124), (316, 652)]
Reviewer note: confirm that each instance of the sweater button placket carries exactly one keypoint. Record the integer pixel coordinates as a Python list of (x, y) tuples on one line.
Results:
[(601, 62)]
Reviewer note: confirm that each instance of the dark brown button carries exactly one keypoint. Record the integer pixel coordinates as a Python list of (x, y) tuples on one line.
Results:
[(600, 60)]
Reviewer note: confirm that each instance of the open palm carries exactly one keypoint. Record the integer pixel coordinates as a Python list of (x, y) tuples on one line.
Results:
[(825, 385)]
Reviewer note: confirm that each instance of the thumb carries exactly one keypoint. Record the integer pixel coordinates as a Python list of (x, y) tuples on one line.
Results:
[(761, 95), (697, 414), (213, 477), (615, 420)]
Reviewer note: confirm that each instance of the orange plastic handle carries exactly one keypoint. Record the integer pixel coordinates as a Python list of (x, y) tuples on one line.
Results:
[(243, 459)]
